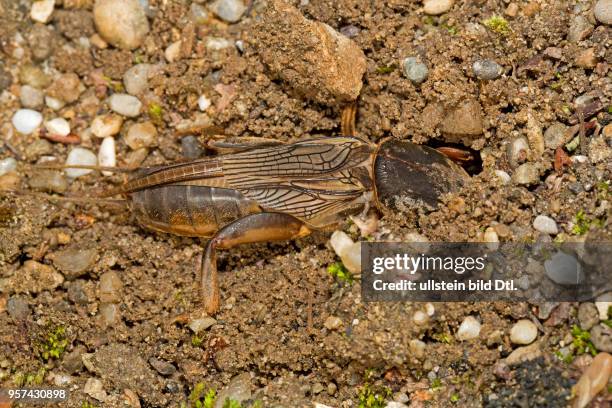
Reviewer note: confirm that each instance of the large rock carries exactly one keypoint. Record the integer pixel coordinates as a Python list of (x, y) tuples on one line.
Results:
[(123, 23), (317, 61)]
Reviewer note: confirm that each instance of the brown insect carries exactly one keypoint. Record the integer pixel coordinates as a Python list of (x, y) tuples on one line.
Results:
[(270, 191)]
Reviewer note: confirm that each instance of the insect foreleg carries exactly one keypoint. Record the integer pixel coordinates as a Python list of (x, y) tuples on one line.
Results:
[(260, 227)]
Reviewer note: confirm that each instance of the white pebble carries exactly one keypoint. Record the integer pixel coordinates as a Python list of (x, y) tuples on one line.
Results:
[(136, 79), (218, 44), (42, 10), (491, 239), (204, 103), (124, 104), (173, 52), (6, 165), (349, 252), (106, 125), (545, 225), (523, 332), (106, 154), (53, 103), (436, 7), (430, 309), (603, 304), (420, 317), (58, 126), (503, 177), (26, 121), (228, 10), (469, 329), (80, 157)]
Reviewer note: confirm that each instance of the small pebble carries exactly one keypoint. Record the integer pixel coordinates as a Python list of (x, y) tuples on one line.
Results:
[(7, 165), (601, 336), (491, 239), (517, 151), (420, 317), (564, 269), (122, 23), (110, 314), (53, 103), (437, 7), (333, 323), (33, 76), (31, 98), (465, 119), (503, 177), (35, 277), (587, 59), (238, 389), (48, 180), (523, 332), (58, 126), (124, 104), (350, 31), (81, 157), (417, 348), (603, 305), (161, 366), (199, 15), (94, 388), (487, 69), (141, 135), (110, 287), (588, 315), (191, 147), (173, 52), (75, 262), (526, 173), (579, 29), (603, 11), (26, 121), (545, 225), (106, 125), (66, 87), (106, 154), (554, 136), (136, 79), (201, 324), (204, 103), (228, 10), (349, 252), (415, 70), (18, 308), (42, 10), (469, 329)]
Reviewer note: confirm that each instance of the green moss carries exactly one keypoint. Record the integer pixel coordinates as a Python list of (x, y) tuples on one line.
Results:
[(603, 190), (582, 223), (30, 379), (443, 338), (230, 403), (436, 384), (386, 69), (196, 341), (156, 112), (373, 398), (497, 24), (87, 404), (582, 341), (54, 344), (454, 398), (339, 271)]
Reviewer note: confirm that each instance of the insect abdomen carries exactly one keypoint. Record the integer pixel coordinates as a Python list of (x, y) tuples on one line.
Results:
[(195, 211)]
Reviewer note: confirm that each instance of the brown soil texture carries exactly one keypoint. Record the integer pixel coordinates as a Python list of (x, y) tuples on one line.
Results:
[(277, 297)]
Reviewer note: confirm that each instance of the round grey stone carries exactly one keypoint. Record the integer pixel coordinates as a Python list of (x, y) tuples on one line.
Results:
[(487, 69), (415, 70)]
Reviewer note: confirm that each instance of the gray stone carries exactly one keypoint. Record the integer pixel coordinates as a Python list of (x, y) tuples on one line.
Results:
[(136, 79), (191, 147), (601, 336), (161, 366), (77, 293), (18, 308), (579, 29), (124, 104), (487, 69), (415, 70), (588, 315), (228, 10), (200, 324), (564, 269), (603, 11), (75, 262), (31, 97), (545, 225), (239, 390), (554, 136), (526, 173)]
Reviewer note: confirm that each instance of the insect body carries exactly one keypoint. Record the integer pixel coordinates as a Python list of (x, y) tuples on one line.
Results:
[(284, 192)]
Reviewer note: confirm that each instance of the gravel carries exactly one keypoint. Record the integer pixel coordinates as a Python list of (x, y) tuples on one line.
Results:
[(26, 121), (141, 135), (588, 315), (31, 98), (228, 10), (545, 225), (18, 307), (106, 125), (469, 329), (7, 165), (238, 389), (124, 104), (191, 147), (42, 10), (603, 11), (601, 336), (554, 136), (200, 324), (466, 119), (487, 69), (415, 70), (333, 323), (58, 126), (526, 173), (66, 87), (122, 23), (136, 79), (204, 103), (107, 156), (48, 180), (517, 151), (579, 29), (564, 269), (437, 7), (523, 332), (81, 157)]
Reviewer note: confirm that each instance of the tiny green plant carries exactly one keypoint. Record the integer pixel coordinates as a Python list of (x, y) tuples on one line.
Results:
[(155, 112), (436, 384), (582, 341), (339, 271), (497, 24), (54, 344), (230, 403), (582, 223), (196, 341), (87, 404), (386, 69), (198, 398), (454, 398), (373, 398)]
